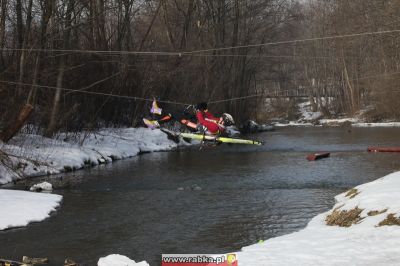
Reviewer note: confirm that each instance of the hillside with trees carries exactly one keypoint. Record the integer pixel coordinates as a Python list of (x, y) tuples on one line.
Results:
[(73, 65)]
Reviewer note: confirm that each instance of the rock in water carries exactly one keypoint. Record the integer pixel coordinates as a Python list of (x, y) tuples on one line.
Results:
[(195, 187), (44, 186), (69, 262), (249, 127), (34, 261)]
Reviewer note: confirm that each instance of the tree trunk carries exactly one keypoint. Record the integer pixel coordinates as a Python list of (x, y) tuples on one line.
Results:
[(186, 25), (3, 16), (127, 24), (24, 45), (13, 128), (150, 26), (32, 92), (20, 23), (56, 101), (47, 11), (350, 88), (101, 24), (92, 22), (167, 26)]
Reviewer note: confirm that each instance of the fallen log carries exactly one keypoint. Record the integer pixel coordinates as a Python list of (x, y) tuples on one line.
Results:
[(317, 156), (13, 128), (383, 149), (4, 262), (26, 261), (34, 261)]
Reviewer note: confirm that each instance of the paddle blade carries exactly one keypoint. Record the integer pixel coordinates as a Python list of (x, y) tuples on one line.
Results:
[(151, 123), (155, 109)]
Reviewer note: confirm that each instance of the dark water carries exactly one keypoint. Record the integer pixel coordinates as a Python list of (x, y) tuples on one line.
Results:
[(248, 193)]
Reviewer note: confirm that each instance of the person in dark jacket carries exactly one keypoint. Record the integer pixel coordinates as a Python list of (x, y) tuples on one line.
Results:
[(161, 116)]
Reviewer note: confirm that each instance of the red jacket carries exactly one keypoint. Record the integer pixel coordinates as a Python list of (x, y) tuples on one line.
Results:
[(209, 121)]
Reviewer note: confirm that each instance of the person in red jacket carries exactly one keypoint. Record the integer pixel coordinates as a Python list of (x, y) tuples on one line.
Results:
[(207, 123), (210, 123)]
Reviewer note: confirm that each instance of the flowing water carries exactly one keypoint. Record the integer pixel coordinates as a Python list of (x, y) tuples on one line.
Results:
[(211, 201)]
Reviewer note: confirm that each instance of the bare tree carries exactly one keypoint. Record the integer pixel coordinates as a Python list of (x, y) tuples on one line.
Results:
[(61, 70)]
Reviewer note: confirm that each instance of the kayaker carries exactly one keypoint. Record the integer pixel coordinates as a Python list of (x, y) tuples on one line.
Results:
[(164, 116), (207, 121)]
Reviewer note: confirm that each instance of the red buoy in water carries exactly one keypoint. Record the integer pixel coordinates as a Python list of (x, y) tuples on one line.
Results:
[(317, 156)]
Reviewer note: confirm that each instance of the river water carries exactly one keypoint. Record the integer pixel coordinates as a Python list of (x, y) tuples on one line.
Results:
[(211, 201)]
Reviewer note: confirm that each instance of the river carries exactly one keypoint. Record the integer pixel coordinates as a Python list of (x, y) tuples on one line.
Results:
[(210, 201)]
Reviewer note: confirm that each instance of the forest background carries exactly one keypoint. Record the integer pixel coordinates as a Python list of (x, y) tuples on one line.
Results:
[(85, 64)]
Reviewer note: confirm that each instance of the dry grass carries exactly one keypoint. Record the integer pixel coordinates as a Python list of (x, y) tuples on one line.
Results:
[(352, 193), (390, 220), (344, 218), (373, 213)]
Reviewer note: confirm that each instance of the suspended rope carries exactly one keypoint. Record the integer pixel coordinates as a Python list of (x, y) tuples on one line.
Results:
[(192, 53), (238, 98), (296, 41), (265, 93), (134, 98), (84, 91), (93, 51), (95, 83)]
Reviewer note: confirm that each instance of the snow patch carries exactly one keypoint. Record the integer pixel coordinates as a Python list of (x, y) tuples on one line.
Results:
[(119, 260), (19, 208), (44, 186), (307, 114)]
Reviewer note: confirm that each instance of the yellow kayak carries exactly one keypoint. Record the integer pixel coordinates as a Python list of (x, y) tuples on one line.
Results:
[(219, 139)]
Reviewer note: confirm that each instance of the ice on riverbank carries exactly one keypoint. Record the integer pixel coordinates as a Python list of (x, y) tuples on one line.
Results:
[(368, 240), (33, 155), (19, 208), (119, 260)]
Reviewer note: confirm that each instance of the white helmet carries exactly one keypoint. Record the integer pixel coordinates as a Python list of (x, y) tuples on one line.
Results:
[(228, 119)]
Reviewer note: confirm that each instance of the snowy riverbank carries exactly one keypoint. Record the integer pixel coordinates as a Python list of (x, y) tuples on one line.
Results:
[(369, 232), (32, 155), (307, 117), (364, 230)]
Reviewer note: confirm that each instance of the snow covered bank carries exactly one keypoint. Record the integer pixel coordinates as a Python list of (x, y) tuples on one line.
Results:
[(306, 114), (354, 122), (34, 155), (119, 260), (383, 124), (307, 117), (293, 124), (19, 208), (364, 230)]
